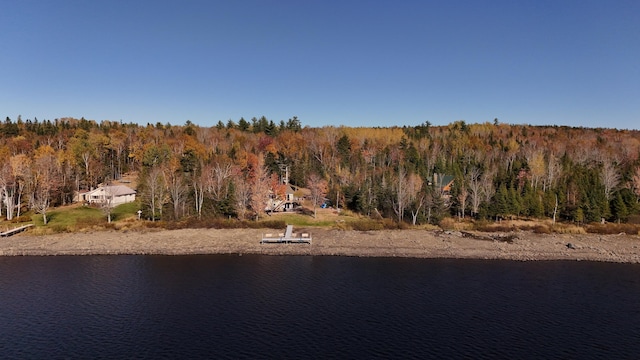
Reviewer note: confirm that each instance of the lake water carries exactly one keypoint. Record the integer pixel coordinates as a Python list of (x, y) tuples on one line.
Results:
[(276, 307)]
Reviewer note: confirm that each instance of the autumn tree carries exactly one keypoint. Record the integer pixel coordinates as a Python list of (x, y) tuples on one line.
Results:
[(117, 145), (585, 168), (537, 170), (176, 187), (21, 173), (318, 187), (44, 180), (242, 195), (217, 181), (84, 153), (259, 179), (636, 183), (463, 195), (416, 196)]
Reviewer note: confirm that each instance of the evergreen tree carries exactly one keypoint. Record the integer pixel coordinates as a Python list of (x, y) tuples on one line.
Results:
[(532, 202), (619, 208), (344, 149), (294, 124), (271, 129), (500, 205), (243, 124), (515, 202)]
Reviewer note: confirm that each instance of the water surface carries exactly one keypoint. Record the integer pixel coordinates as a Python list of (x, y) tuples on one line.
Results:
[(253, 306)]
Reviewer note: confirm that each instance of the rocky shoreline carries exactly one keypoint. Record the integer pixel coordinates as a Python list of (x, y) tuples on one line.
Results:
[(522, 246)]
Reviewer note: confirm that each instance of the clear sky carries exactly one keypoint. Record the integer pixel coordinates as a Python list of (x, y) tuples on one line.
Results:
[(354, 63)]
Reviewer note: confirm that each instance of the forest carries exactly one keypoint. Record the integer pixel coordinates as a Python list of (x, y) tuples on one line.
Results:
[(411, 174)]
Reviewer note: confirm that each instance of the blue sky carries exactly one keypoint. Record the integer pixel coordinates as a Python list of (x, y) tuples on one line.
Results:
[(354, 63)]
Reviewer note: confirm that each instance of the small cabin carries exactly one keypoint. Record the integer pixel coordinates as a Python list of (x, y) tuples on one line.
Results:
[(115, 194), (289, 203)]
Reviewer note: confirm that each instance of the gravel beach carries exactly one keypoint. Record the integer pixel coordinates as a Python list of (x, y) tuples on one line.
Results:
[(524, 246)]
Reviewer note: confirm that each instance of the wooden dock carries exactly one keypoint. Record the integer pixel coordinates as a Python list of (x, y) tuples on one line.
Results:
[(15, 231), (287, 237)]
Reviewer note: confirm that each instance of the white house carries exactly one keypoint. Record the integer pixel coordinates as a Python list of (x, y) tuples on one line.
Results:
[(119, 194)]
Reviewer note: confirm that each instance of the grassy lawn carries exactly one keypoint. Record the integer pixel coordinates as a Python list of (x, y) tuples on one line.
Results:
[(85, 218), (125, 211), (325, 218), (69, 217), (72, 218)]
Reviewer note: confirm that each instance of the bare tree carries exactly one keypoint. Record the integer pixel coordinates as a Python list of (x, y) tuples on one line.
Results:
[(401, 199), (463, 195), (177, 189), (487, 186), (610, 177), (21, 171), (198, 183), (217, 180), (86, 161), (555, 210), (7, 187), (318, 187), (475, 189), (106, 204), (44, 174), (553, 171), (155, 191), (243, 195), (260, 181), (416, 196), (636, 183), (41, 202), (117, 143)]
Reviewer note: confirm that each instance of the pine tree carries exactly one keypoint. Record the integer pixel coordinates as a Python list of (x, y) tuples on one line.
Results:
[(619, 209)]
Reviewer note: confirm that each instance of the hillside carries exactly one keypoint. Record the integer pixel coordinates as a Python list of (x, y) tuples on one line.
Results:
[(412, 175)]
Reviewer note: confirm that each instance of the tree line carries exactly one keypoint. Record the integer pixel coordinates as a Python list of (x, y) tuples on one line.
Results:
[(492, 170)]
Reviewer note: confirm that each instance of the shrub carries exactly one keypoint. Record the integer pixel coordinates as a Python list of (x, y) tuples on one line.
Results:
[(110, 226), (270, 224), (634, 219), (367, 225), (568, 229), (612, 228), (541, 229), (21, 219), (496, 227), (447, 224), (155, 224), (56, 229), (393, 225), (305, 211)]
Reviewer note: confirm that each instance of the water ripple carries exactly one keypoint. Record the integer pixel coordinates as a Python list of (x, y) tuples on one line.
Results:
[(265, 307)]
